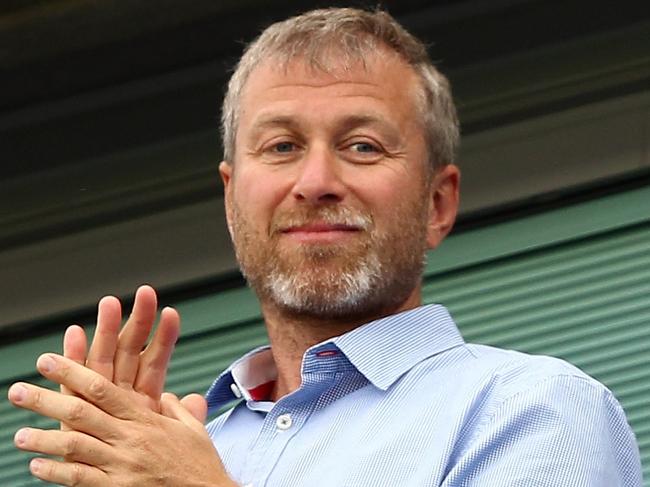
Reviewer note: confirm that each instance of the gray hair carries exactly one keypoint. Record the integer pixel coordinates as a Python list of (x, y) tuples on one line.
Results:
[(352, 34)]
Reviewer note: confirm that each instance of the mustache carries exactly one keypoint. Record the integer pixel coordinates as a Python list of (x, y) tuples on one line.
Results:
[(331, 215)]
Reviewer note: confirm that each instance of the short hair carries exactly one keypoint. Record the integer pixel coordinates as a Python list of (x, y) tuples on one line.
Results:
[(352, 34)]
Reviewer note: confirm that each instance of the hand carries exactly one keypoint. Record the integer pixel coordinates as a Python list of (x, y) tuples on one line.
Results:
[(115, 440), (118, 356)]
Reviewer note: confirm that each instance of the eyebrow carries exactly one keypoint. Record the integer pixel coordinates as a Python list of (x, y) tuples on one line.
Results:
[(353, 121), (385, 127), (348, 123), (274, 121)]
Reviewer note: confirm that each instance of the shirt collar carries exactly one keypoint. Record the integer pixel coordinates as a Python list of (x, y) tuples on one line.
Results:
[(382, 350), (242, 379)]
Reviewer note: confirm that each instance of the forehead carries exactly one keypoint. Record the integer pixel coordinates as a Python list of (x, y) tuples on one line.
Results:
[(380, 82)]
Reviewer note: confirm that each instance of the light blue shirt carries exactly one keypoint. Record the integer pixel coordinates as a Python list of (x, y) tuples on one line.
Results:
[(404, 401)]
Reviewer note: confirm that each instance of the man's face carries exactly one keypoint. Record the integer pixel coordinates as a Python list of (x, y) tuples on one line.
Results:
[(329, 200)]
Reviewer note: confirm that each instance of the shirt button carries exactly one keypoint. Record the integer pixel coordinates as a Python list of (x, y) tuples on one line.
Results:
[(283, 422), (235, 390)]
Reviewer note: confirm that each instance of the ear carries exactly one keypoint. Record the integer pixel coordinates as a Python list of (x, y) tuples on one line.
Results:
[(444, 202), (226, 172)]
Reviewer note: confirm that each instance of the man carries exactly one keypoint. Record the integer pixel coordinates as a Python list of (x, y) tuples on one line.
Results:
[(339, 140)]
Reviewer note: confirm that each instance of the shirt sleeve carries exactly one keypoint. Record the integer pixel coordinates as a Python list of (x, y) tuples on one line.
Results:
[(566, 431)]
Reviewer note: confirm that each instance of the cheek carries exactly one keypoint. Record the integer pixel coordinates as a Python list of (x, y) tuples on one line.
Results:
[(257, 194), (381, 190), (397, 206)]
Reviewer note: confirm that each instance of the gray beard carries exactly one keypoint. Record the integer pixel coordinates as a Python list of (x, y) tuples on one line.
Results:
[(330, 282), (326, 294)]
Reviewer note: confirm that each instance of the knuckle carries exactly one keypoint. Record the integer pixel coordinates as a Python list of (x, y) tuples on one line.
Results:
[(135, 440), (76, 475), (63, 371), (36, 399), (98, 388), (71, 446), (140, 321), (75, 412), (50, 470)]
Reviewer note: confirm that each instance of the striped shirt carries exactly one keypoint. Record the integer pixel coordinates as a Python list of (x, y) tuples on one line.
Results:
[(404, 401)]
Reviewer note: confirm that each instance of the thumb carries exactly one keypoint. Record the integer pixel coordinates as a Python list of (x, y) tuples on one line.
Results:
[(197, 406), (172, 407)]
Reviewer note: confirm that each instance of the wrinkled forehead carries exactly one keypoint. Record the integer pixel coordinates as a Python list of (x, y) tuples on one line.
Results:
[(333, 65), (376, 88), (333, 59)]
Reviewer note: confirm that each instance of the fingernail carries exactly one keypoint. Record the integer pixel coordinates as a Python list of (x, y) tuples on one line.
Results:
[(21, 436), (35, 465), (46, 363), (17, 393)]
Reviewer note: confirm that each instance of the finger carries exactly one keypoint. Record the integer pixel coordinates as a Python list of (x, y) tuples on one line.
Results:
[(134, 336), (154, 361), (74, 347), (68, 474), (75, 343), (76, 413), (71, 445), (172, 408), (90, 385), (102, 350)]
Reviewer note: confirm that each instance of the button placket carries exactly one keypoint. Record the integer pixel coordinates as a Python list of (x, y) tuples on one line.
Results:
[(284, 422)]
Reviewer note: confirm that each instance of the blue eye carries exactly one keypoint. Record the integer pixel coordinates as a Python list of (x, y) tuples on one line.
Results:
[(284, 147), (364, 147)]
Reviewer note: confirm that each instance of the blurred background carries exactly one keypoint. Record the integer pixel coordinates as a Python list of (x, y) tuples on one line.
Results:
[(109, 148)]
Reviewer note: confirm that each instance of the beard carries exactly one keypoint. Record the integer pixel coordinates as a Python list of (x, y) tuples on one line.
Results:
[(365, 275)]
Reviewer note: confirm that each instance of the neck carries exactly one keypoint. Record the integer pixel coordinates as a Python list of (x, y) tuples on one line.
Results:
[(291, 335)]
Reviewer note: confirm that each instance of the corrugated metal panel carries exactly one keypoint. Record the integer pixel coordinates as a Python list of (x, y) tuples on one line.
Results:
[(586, 300)]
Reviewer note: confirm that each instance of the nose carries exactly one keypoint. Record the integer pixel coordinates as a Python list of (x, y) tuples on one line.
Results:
[(319, 180)]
